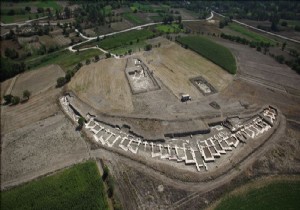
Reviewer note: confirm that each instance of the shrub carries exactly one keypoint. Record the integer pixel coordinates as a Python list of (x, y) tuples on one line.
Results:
[(15, 100), (8, 98), (61, 81), (108, 55), (279, 58), (80, 122), (148, 47), (26, 94), (105, 173)]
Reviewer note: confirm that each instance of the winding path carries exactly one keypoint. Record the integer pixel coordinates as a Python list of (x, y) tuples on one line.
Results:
[(117, 32)]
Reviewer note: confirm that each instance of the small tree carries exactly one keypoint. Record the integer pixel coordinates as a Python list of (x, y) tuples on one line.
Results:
[(8, 98), (105, 173), (108, 55), (61, 81), (80, 123), (97, 58), (283, 46), (88, 61), (26, 94), (69, 75), (148, 47), (15, 100)]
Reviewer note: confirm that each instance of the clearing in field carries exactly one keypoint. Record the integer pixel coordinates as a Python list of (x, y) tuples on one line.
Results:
[(218, 54), (175, 66), (103, 85), (79, 187)]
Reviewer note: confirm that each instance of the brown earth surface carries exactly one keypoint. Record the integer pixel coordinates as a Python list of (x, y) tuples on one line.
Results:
[(103, 85), (37, 81)]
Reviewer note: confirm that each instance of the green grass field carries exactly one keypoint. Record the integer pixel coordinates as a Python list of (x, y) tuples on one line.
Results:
[(173, 28), (216, 53), (279, 195), (133, 18), (124, 39), (79, 187), (48, 4), (65, 59), (252, 35), (15, 18)]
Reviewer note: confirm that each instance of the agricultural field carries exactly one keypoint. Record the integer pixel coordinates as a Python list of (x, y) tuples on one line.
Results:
[(173, 28), (35, 81), (41, 83), (124, 39), (277, 195), (64, 59), (78, 187), (56, 40), (133, 18), (104, 86), (24, 15), (250, 34), (216, 53)]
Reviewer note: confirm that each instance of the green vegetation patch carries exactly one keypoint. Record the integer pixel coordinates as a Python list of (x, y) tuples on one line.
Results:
[(168, 28), (156, 18), (133, 18), (48, 4), (15, 18), (124, 39), (218, 54), (65, 59), (254, 36), (79, 187), (279, 195)]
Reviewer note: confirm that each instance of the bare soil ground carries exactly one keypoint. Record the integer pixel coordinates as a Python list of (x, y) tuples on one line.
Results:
[(203, 26), (41, 83), (56, 40), (174, 66), (186, 15), (37, 81), (103, 85), (40, 148), (118, 26), (9, 44), (36, 108), (263, 69)]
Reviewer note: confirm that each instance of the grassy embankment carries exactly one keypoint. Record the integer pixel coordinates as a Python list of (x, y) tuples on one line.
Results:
[(216, 53), (250, 34), (277, 195), (79, 187)]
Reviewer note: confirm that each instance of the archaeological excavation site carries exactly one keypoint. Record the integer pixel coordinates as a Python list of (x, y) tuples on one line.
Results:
[(150, 105)]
